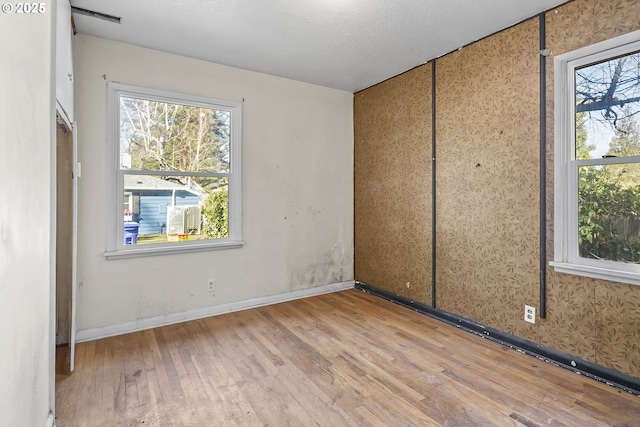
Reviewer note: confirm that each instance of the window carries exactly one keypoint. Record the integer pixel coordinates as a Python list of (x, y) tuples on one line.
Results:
[(597, 160), (175, 168)]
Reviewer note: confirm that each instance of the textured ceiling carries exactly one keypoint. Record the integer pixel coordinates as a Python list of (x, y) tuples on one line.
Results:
[(343, 44)]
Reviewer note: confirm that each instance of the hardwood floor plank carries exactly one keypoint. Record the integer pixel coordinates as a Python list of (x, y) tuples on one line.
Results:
[(340, 359), (106, 406)]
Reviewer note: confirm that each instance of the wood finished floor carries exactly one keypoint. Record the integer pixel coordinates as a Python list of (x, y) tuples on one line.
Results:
[(339, 359)]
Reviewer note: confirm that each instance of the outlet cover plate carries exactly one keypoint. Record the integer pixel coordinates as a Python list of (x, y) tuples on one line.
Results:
[(529, 314)]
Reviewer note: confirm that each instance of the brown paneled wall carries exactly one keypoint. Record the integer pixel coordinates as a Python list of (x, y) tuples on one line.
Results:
[(393, 184), (488, 178), (487, 191)]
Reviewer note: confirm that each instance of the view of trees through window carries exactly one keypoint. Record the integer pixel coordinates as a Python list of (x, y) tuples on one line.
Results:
[(607, 137), (175, 161)]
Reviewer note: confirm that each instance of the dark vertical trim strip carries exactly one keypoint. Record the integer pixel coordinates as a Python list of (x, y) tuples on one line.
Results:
[(543, 170), (433, 183)]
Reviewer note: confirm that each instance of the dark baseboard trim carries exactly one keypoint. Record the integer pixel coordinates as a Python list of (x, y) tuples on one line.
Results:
[(555, 357)]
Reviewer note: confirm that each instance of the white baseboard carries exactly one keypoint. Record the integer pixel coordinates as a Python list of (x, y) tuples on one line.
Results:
[(199, 313), (50, 422)]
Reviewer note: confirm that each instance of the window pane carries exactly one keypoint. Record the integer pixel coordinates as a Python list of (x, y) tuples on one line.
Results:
[(163, 136), (175, 208), (609, 212), (607, 108)]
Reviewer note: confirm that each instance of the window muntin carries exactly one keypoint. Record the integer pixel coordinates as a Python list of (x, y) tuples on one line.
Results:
[(597, 178), (176, 164)]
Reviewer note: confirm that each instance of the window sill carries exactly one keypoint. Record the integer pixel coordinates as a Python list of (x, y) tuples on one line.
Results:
[(145, 251), (604, 273)]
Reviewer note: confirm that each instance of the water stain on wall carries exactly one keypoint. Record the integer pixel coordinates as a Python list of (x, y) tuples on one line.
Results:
[(332, 267)]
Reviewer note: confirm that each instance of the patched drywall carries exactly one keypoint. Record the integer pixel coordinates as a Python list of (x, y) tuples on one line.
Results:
[(297, 189), (487, 173)]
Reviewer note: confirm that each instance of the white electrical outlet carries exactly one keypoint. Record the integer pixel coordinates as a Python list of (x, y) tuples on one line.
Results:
[(211, 287), (529, 314)]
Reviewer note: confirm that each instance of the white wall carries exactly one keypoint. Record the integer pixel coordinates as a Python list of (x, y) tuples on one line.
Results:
[(26, 135), (297, 189)]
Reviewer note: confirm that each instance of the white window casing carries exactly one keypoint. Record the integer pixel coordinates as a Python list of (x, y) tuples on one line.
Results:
[(116, 248), (566, 255)]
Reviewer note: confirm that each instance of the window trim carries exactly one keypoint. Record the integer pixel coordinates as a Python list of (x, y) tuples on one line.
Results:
[(115, 178), (566, 259)]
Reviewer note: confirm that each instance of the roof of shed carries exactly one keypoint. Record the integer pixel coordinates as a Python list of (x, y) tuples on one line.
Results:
[(148, 182)]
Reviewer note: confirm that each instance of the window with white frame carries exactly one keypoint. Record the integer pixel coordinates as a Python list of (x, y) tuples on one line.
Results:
[(597, 160), (174, 166)]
